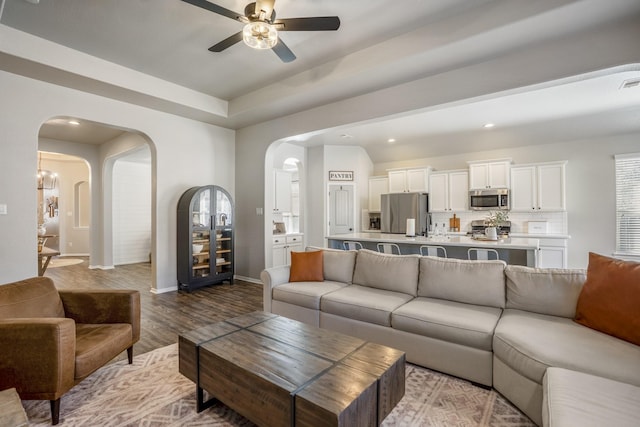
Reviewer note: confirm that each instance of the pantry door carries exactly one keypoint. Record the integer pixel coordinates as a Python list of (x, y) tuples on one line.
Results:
[(341, 205)]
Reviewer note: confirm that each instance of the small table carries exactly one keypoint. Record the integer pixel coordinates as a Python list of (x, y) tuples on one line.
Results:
[(280, 372), (44, 256)]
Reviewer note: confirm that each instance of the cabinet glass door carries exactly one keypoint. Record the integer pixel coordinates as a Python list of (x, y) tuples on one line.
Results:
[(223, 210), (201, 209)]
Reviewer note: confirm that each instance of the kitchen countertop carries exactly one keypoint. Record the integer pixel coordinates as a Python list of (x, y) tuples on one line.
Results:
[(453, 240)]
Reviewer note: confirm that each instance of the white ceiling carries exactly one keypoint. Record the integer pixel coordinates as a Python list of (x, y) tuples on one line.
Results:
[(381, 43)]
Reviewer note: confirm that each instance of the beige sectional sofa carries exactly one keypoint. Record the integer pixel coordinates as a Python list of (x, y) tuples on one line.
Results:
[(496, 325)]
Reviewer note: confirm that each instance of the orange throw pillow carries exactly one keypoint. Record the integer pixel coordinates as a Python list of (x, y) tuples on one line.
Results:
[(306, 267), (610, 298)]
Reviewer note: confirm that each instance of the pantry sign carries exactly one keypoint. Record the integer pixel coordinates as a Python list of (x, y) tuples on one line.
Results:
[(340, 175)]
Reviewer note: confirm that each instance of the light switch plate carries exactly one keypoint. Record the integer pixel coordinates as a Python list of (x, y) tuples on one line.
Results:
[(3, 209)]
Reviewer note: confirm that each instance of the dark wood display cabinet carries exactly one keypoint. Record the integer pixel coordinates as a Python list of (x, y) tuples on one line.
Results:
[(205, 237)]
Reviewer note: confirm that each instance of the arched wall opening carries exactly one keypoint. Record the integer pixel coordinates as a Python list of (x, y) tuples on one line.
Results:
[(103, 146)]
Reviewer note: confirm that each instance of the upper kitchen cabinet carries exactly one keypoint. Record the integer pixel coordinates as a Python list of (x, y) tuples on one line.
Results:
[(282, 191), (448, 191), (494, 174), (538, 187), (378, 185), (409, 180)]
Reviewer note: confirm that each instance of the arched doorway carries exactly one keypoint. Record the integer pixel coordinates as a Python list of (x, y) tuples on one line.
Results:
[(101, 146)]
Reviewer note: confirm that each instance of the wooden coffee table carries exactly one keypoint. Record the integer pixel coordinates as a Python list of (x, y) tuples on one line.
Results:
[(280, 372)]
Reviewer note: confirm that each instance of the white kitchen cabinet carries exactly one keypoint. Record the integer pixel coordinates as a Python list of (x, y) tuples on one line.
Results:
[(489, 174), (397, 181), (282, 248), (282, 191), (552, 253), (409, 180), (448, 191), (417, 180), (279, 251), (539, 187), (378, 185)]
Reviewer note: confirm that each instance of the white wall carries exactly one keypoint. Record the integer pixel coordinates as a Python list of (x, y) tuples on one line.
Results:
[(131, 212), (350, 158), (590, 179), (185, 153)]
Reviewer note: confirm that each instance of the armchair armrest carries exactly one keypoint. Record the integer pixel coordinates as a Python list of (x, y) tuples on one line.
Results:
[(108, 306), (38, 356), (272, 277)]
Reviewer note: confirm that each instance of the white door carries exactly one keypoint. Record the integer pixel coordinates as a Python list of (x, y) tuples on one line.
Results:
[(439, 192), (459, 191), (341, 215)]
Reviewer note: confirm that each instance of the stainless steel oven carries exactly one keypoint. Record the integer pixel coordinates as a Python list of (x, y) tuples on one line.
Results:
[(495, 199)]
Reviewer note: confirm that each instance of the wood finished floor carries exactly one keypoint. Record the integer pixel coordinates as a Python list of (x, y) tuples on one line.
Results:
[(163, 316)]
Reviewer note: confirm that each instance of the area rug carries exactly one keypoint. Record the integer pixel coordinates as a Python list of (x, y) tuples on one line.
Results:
[(63, 262), (152, 392)]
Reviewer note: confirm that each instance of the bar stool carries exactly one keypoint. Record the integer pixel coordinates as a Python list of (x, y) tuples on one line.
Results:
[(482, 254), (388, 248), (351, 246), (429, 250)]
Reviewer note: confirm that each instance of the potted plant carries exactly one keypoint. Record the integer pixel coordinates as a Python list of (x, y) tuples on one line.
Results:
[(493, 221)]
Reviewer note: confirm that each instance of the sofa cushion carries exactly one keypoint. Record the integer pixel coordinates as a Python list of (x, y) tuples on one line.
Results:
[(576, 399), (398, 273), (465, 324), (305, 294), (471, 282), (306, 267), (544, 290), (96, 345), (530, 343), (33, 297), (338, 265), (364, 303), (610, 298)]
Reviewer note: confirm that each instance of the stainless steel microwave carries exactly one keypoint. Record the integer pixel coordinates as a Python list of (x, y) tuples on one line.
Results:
[(495, 199)]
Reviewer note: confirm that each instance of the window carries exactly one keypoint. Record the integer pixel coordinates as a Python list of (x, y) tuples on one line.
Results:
[(628, 204)]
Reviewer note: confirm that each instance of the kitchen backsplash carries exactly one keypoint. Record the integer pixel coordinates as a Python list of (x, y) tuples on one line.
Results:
[(556, 221)]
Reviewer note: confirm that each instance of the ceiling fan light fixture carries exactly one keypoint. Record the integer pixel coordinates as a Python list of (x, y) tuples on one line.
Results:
[(259, 35)]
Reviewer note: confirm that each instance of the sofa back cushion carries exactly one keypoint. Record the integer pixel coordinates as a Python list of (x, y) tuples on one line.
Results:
[(397, 273), (34, 297), (544, 290), (470, 282), (338, 265)]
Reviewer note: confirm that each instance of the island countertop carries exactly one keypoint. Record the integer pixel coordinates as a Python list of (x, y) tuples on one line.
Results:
[(512, 250), (460, 241)]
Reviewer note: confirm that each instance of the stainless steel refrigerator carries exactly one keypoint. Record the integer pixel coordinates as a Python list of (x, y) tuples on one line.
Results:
[(396, 208)]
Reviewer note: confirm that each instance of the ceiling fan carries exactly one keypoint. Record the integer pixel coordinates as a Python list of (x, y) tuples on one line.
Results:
[(261, 26)]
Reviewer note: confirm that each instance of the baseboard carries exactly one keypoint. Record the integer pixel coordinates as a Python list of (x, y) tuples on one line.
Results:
[(248, 279), (163, 290)]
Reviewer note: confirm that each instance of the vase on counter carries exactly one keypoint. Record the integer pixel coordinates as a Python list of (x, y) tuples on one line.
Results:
[(491, 233), (42, 230)]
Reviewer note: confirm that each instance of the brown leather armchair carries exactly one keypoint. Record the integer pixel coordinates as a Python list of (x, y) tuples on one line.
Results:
[(52, 339)]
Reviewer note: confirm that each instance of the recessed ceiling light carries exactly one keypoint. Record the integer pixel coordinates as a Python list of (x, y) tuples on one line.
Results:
[(346, 136), (391, 140), (489, 125), (74, 122)]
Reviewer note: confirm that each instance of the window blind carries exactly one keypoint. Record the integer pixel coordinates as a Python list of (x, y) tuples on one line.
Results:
[(628, 204)]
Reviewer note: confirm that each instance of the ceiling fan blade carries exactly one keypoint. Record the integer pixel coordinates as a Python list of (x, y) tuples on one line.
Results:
[(217, 9), (283, 51), (318, 23), (228, 42)]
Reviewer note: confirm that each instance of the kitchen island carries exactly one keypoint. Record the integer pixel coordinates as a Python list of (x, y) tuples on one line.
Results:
[(512, 250)]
